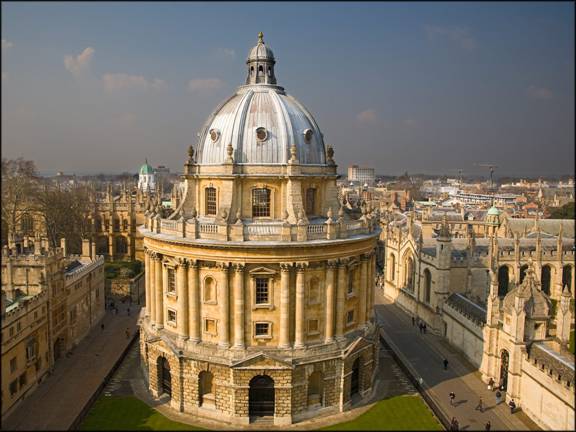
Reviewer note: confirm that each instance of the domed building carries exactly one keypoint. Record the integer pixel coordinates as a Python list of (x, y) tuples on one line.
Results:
[(146, 178), (259, 297)]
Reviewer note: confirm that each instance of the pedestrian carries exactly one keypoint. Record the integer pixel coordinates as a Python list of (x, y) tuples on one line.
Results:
[(128, 311), (445, 364), (453, 424), (512, 406), (491, 384), (102, 326), (487, 426), (413, 321), (424, 327), (452, 397), (498, 397), (421, 327), (480, 405), (127, 333)]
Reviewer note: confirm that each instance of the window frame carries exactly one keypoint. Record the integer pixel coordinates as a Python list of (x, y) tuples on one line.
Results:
[(258, 280), (353, 320), (268, 334), (205, 326), (170, 281), (258, 210), (169, 321), (208, 202), (311, 332), (311, 206), (214, 299)]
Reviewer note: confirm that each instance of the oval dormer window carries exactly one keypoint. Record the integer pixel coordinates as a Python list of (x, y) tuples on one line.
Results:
[(261, 134), (214, 134), (308, 133)]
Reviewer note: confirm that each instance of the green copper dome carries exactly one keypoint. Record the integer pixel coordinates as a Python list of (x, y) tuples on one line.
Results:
[(146, 169), (494, 211)]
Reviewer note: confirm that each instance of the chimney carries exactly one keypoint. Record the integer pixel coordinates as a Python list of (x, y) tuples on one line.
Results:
[(63, 246), (86, 252)]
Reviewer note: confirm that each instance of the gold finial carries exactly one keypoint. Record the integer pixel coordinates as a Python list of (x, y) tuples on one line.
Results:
[(260, 37)]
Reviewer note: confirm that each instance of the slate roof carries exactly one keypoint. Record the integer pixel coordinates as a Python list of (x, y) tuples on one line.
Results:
[(467, 307)]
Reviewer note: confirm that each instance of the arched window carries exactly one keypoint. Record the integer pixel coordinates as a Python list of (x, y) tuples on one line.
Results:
[(116, 225), (209, 290), (27, 224), (121, 245), (210, 196), (315, 389), (125, 225), (408, 273), (310, 201), (313, 291), (523, 270), (427, 285), (98, 224), (392, 271), (545, 279), (269, 71), (252, 70), (206, 389), (260, 70), (567, 277), (261, 202), (503, 280), (102, 246)]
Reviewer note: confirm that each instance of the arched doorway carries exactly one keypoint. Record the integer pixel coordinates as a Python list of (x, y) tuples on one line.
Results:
[(545, 279), (523, 271), (504, 362), (355, 379), (503, 280), (567, 277), (164, 377), (261, 396)]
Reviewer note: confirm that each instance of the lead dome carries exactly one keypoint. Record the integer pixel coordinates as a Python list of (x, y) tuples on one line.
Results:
[(261, 122)]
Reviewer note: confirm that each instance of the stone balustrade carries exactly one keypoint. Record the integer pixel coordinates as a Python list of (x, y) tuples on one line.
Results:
[(278, 230)]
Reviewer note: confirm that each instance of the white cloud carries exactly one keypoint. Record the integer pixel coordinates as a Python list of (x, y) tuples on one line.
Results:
[(122, 81), (79, 64), (6, 44), (226, 52), (458, 35), (366, 117), (204, 84), (540, 92)]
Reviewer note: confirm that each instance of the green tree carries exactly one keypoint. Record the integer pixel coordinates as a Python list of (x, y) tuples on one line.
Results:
[(564, 212)]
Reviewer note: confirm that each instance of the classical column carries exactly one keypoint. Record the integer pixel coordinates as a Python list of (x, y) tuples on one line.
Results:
[(147, 280), (341, 296), (152, 269), (284, 305), (299, 316), (223, 301), (159, 291), (371, 275), (363, 289), (194, 319), (182, 287), (239, 305), (330, 300)]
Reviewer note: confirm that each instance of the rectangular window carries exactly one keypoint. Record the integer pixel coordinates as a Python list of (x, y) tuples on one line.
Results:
[(310, 201), (262, 292), (13, 365), (35, 315), (261, 202), (350, 317), (23, 380), (351, 276), (73, 315), (171, 281), (171, 316), (210, 201), (11, 331), (313, 327), (13, 387), (18, 326), (31, 350), (210, 326), (262, 329)]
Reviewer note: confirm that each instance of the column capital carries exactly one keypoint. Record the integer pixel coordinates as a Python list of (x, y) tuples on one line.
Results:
[(285, 267), (343, 262), (183, 262), (156, 256), (192, 263), (332, 264), (365, 256), (239, 267), (223, 266), (301, 266)]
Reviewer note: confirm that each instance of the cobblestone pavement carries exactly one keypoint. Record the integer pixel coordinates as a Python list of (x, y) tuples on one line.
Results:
[(423, 355), (128, 380), (61, 397)]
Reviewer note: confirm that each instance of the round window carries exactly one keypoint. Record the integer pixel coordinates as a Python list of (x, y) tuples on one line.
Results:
[(308, 135), (214, 134), (261, 134)]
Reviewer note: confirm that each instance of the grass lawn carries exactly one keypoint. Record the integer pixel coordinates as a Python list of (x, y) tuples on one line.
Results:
[(128, 413), (395, 413)]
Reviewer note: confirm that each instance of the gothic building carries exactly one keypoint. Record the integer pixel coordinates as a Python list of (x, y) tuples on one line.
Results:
[(258, 285)]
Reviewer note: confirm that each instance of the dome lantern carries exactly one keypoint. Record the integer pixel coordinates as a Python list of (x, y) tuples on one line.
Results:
[(260, 64)]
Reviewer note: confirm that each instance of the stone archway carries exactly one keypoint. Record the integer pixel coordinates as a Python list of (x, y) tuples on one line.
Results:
[(355, 378), (164, 377), (261, 396)]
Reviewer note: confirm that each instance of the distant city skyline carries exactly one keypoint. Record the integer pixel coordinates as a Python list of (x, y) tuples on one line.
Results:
[(93, 88)]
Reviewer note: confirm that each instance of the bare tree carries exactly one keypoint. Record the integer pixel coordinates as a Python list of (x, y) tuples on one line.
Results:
[(19, 182)]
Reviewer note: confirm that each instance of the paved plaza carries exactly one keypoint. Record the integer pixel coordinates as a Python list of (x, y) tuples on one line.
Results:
[(61, 397), (423, 354)]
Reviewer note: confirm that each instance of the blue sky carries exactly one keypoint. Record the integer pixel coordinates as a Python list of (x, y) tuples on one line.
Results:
[(423, 87)]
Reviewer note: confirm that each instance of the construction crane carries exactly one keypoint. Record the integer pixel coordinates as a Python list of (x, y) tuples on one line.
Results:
[(491, 167)]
